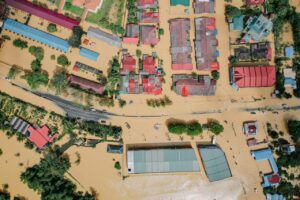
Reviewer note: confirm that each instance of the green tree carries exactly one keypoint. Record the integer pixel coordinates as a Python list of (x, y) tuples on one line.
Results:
[(75, 39), (138, 53), (294, 130), (63, 60), (36, 78), (215, 127), (161, 31), (59, 81), (13, 72), (37, 52), (177, 127), (4, 195), (51, 28), (36, 65), (1, 152), (117, 165), (20, 43), (215, 75), (102, 79), (194, 128), (232, 11)]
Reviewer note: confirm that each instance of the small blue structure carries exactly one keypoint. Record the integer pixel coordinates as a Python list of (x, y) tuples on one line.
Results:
[(237, 23), (37, 35), (289, 52), (290, 82), (111, 148), (275, 197), (92, 55)]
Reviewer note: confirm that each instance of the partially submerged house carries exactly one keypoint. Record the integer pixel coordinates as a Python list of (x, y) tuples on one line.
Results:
[(129, 84), (132, 34), (148, 17), (289, 52), (162, 160), (206, 44), (85, 84), (290, 78), (272, 179), (254, 2), (144, 4), (252, 76), (288, 149), (181, 48), (152, 84), (257, 28), (251, 128), (204, 6), (215, 162), (36, 35), (149, 65), (39, 136), (149, 35), (104, 36), (185, 85), (242, 53), (261, 51), (80, 66), (128, 64), (180, 2), (43, 13)]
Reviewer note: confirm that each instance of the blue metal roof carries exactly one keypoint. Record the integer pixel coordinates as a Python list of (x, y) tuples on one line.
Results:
[(92, 55), (275, 197), (237, 23), (266, 154), (289, 51), (36, 35)]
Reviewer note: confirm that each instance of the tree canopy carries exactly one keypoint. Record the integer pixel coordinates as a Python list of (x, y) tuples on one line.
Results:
[(215, 127), (294, 130), (59, 81), (63, 60), (52, 27), (20, 43), (192, 128), (232, 11), (75, 39)]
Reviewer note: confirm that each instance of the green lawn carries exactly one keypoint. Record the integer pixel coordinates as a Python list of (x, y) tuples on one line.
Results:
[(74, 9), (104, 13)]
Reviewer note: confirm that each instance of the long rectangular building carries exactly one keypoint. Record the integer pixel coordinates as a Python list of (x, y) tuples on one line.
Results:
[(206, 44), (44, 13), (162, 160), (181, 48), (105, 37), (37, 35)]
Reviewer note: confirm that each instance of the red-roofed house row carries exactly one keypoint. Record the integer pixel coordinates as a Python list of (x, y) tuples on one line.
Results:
[(44, 13), (128, 64), (253, 76), (40, 137)]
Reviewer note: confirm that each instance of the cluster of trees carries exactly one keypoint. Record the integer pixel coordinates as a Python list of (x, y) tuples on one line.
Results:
[(115, 28), (164, 101), (178, 127), (59, 81), (51, 28), (294, 130), (232, 11), (132, 11), (214, 126), (36, 77), (101, 130), (75, 39), (296, 63), (113, 76), (20, 43), (215, 75), (48, 179)]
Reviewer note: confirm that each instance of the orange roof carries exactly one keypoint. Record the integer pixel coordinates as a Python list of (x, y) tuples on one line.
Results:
[(88, 4)]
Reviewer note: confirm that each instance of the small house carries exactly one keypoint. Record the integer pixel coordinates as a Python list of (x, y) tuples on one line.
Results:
[(288, 149), (289, 52), (251, 128), (112, 148), (237, 23)]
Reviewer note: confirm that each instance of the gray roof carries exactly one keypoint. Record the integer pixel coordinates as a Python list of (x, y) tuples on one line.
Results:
[(19, 125), (215, 162), (105, 37), (162, 160), (112, 148)]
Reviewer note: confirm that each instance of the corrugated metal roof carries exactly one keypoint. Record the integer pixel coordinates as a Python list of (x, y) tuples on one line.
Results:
[(215, 162), (92, 55), (36, 35), (162, 160), (105, 37), (180, 2)]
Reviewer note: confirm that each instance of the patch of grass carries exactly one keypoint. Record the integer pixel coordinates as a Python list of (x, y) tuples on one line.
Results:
[(73, 9)]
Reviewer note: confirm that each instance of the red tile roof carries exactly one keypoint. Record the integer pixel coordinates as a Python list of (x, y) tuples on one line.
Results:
[(255, 2), (145, 2), (152, 85), (275, 178), (132, 85), (128, 64), (150, 17), (149, 65), (44, 13), (256, 76), (86, 84), (149, 35), (40, 136), (182, 66)]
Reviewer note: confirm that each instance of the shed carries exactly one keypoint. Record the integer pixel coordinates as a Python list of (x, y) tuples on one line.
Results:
[(112, 148), (89, 54), (289, 52), (237, 23)]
